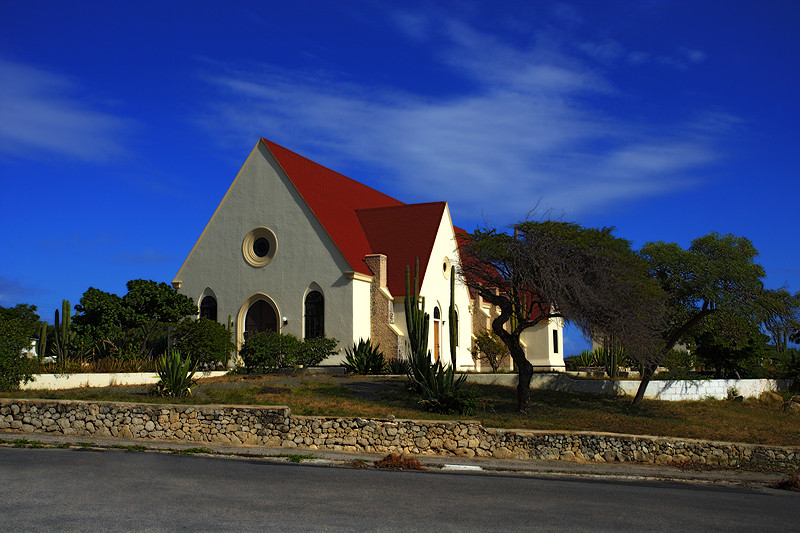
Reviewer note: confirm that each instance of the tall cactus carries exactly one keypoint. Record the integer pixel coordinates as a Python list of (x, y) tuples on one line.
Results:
[(41, 345), (63, 331), (453, 317), (417, 320)]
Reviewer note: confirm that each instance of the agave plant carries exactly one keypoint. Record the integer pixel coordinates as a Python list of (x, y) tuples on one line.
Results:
[(397, 366), (176, 375), (588, 358), (439, 388), (363, 358)]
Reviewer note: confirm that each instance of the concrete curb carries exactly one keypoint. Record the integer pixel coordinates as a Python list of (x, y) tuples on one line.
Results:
[(450, 465)]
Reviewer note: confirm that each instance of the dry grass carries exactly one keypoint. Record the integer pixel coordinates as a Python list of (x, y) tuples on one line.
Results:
[(394, 461), (751, 421), (788, 483)]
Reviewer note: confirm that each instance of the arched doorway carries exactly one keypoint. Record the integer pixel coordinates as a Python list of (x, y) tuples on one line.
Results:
[(261, 316), (437, 331)]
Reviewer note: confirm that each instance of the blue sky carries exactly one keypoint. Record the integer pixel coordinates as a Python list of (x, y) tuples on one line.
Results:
[(123, 124)]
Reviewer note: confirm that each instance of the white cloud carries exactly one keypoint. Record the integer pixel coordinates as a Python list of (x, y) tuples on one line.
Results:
[(526, 130), (46, 111)]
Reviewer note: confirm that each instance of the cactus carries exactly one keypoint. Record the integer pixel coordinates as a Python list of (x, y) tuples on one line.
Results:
[(453, 317), (41, 345), (612, 356), (63, 334), (417, 320)]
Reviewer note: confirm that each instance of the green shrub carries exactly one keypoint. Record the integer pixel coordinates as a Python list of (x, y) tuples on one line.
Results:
[(364, 358), (312, 352), (18, 327), (206, 341), (176, 375), (680, 363), (490, 349), (269, 351)]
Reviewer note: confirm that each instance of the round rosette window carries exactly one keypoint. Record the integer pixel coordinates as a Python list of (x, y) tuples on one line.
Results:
[(259, 247), (446, 268)]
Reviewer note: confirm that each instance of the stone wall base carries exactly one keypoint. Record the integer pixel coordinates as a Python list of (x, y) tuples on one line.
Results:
[(277, 427)]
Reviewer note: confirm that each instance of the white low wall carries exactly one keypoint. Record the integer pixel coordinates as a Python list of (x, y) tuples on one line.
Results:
[(671, 390), (75, 381)]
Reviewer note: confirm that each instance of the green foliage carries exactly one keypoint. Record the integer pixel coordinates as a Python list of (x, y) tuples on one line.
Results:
[(551, 269), (64, 335), (680, 363), (588, 358), (489, 348), (41, 344), (312, 352), (439, 389), (733, 347), (269, 351), (129, 327), (18, 327), (148, 304), (780, 315), (613, 356), (207, 342), (364, 358), (397, 367), (176, 375)]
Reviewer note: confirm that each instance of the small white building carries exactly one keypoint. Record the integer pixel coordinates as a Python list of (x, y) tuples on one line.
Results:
[(298, 248)]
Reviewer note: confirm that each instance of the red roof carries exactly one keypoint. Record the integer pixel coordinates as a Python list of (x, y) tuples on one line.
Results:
[(402, 233), (361, 220)]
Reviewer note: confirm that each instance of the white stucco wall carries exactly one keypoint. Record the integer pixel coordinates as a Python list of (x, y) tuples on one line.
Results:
[(435, 288), (540, 348), (262, 196)]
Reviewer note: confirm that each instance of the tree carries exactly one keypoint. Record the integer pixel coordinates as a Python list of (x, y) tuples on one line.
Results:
[(99, 322), (781, 317), (125, 325), (732, 345), (717, 273), (149, 304), (18, 327), (553, 269)]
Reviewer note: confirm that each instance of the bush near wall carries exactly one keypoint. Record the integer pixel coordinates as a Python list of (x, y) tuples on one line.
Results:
[(269, 351), (17, 327), (207, 342)]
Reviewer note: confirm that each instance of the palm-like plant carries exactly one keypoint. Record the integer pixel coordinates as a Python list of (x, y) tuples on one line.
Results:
[(176, 375), (363, 358)]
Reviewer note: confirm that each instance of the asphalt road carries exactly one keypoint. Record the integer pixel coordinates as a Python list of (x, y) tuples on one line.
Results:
[(115, 490)]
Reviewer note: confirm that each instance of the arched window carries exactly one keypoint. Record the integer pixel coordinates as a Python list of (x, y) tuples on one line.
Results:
[(208, 308), (315, 315)]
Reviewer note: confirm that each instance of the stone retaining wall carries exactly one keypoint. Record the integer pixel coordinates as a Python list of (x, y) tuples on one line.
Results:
[(277, 427)]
